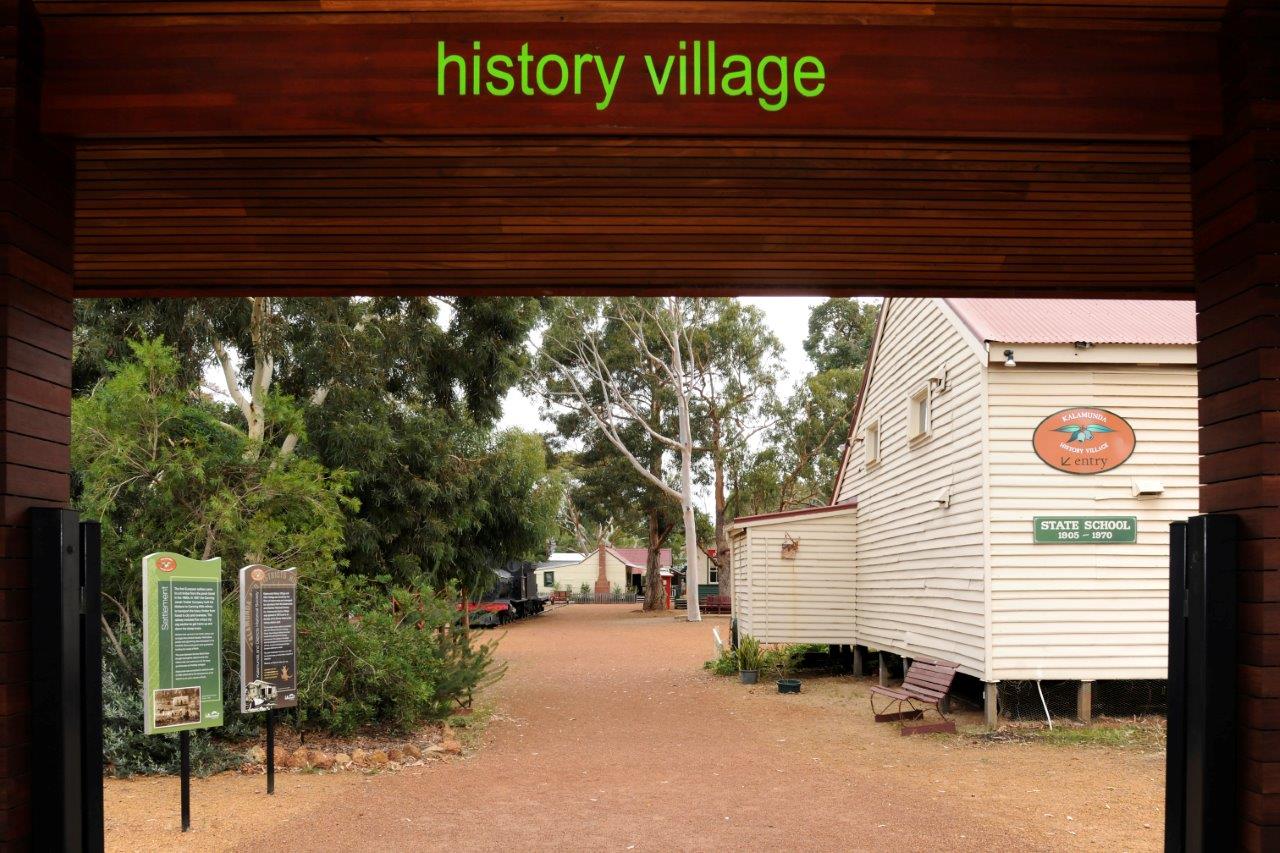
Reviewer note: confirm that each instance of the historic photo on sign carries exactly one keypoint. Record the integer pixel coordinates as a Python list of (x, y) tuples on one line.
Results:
[(176, 706)]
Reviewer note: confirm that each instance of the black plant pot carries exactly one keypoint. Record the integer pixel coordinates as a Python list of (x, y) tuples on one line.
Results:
[(749, 676), (788, 685)]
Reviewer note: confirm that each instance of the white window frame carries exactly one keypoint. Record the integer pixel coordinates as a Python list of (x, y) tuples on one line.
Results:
[(713, 574), (872, 443), (920, 422)]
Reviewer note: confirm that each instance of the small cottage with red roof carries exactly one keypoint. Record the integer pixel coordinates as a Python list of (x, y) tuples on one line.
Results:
[(1013, 465), (604, 570)]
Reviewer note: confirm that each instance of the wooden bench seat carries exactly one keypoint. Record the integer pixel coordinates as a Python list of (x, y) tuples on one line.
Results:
[(926, 684), (716, 604)]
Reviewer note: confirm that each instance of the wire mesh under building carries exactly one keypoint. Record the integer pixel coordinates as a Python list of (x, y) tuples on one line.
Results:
[(1020, 700)]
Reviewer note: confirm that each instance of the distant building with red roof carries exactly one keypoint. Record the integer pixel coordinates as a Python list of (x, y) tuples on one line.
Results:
[(601, 571)]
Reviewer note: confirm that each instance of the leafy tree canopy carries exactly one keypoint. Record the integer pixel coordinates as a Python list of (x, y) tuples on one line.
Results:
[(840, 333)]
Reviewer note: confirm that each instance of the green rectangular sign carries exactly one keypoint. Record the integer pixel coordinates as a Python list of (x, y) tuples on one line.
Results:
[(1085, 529), (182, 643)]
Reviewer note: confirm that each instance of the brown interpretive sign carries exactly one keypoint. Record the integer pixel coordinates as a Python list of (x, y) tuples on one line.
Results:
[(268, 638)]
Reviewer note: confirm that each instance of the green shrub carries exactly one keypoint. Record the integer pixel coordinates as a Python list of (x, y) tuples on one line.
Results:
[(783, 659), (374, 654), (725, 664)]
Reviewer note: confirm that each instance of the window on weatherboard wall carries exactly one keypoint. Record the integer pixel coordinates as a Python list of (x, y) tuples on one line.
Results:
[(548, 578), (871, 442), (919, 419)]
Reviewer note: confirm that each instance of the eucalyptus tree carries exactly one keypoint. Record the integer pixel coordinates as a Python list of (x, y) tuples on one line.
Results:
[(840, 333), (400, 392), (735, 364), (618, 369), (806, 438)]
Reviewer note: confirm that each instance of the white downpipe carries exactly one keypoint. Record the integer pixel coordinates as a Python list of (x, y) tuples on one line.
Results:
[(1045, 705)]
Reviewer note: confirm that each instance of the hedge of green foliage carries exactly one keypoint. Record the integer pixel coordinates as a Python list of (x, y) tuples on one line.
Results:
[(368, 655), (158, 465), (374, 654), (779, 660)]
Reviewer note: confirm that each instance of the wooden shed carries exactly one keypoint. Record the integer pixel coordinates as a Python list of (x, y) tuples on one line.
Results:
[(1016, 464), (793, 575)]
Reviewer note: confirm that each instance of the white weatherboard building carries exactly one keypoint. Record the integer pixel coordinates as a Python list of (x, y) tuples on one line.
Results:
[(792, 578), (1014, 465)]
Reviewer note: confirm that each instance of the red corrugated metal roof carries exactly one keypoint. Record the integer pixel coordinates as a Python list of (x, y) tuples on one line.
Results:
[(1065, 321), (640, 556)]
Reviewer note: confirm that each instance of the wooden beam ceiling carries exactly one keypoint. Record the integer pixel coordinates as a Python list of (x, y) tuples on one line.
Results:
[(739, 215)]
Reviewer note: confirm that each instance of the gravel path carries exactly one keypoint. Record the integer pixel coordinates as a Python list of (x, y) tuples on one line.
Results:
[(609, 736)]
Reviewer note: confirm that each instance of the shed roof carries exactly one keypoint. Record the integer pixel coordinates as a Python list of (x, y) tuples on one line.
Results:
[(1065, 321), (561, 558), (770, 517), (638, 558)]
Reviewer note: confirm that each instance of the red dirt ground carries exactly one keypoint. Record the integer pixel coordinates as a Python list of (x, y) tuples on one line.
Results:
[(608, 735)]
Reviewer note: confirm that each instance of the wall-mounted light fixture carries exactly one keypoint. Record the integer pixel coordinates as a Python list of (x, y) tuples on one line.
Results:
[(940, 379), (1008, 359)]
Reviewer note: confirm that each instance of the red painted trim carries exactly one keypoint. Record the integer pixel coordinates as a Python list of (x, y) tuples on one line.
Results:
[(486, 606), (793, 513)]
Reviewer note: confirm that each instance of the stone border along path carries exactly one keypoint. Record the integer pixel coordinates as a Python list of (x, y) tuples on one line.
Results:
[(608, 735)]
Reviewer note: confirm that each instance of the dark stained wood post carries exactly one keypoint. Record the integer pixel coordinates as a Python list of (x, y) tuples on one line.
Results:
[(35, 379), (1237, 222)]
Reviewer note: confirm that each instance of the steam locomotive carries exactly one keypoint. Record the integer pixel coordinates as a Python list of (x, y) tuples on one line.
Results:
[(513, 595)]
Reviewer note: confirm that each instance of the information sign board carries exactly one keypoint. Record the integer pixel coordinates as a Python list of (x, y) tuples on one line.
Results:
[(182, 643), (268, 638)]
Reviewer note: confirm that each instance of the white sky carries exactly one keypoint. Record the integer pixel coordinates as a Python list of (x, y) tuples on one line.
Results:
[(788, 316)]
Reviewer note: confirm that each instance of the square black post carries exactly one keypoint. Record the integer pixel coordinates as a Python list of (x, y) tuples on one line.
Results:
[(1202, 783), (184, 771), (56, 725), (1175, 776), (271, 750), (91, 684)]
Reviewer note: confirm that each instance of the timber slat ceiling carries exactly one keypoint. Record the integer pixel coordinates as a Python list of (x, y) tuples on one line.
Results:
[(504, 215)]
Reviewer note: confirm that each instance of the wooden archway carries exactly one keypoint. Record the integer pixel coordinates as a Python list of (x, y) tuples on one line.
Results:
[(1109, 148)]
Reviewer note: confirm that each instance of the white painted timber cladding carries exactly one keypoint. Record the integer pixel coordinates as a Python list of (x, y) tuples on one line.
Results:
[(573, 576), (921, 566), (741, 590), (811, 598), (1087, 611)]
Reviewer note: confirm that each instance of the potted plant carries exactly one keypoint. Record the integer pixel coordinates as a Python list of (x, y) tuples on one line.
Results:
[(750, 657)]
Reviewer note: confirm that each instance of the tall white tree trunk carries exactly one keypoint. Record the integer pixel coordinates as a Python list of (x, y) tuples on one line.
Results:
[(690, 524), (686, 471)]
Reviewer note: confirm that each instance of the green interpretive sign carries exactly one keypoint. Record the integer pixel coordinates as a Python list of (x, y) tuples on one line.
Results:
[(182, 643), (1085, 530)]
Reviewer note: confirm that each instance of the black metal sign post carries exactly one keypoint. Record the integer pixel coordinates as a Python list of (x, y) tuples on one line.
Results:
[(184, 747), (271, 751)]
